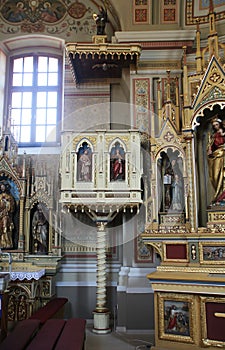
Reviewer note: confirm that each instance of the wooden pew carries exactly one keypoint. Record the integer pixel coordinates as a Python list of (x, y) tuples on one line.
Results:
[(73, 335), (53, 309), (21, 335), (48, 335), (60, 335)]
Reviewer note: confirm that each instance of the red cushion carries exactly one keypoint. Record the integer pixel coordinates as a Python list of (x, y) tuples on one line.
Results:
[(73, 335), (48, 335), (49, 310), (21, 335)]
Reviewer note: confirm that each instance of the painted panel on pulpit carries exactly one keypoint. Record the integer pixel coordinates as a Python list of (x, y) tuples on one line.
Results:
[(84, 165), (117, 163)]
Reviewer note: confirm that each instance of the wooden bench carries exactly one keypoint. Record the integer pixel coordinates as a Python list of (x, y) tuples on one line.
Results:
[(55, 334), (21, 335), (60, 335), (53, 309), (73, 335)]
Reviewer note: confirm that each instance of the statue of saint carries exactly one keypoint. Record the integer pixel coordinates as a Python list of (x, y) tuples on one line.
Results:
[(7, 208), (100, 20), (216, 153), (40, 231)]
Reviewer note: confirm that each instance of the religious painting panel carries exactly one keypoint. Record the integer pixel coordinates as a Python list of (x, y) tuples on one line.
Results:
[(213, 321), (176, 315), (212, 253), (117, 162), (84, 162)]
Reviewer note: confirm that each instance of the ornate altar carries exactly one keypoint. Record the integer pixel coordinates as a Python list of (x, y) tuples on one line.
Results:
[(28, 229), (187, 218)]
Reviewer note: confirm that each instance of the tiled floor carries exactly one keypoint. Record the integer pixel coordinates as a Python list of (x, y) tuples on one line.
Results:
[(118, 341)]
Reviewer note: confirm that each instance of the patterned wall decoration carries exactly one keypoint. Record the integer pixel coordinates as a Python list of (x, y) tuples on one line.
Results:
[(141, 11), (143, 253), (199, 9), (52, 17), (141, 102), (169, 11)]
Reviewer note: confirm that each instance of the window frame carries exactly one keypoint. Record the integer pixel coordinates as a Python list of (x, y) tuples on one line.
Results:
[(34, 89)]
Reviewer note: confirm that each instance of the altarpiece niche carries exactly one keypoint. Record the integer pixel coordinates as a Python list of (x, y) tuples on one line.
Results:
[(210, 154), (170, 174)]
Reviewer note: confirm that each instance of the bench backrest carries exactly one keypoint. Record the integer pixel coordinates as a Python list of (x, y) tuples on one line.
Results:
[(21, 335), (49, 310), (48, 335), (73, 335)]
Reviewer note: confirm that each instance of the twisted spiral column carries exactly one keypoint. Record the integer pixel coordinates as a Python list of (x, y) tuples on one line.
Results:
[(101, 313), (101, 268)]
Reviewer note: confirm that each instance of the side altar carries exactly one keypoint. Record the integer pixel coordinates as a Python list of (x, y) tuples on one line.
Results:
[(29, 229), (186, 220)]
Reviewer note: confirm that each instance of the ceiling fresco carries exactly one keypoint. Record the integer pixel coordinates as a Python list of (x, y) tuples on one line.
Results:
[(67, 19)]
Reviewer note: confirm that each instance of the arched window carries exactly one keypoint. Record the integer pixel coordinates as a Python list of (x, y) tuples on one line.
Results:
[(35, 94)]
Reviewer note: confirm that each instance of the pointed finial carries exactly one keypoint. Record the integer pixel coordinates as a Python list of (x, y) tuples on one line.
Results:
[(211, 6)]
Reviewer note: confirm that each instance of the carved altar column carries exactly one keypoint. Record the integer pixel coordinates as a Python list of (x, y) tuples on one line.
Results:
[(21, 221), (101, 313), (191, 189)]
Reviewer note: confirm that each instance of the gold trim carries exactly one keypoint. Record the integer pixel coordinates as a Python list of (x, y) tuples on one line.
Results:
[(102, 48)]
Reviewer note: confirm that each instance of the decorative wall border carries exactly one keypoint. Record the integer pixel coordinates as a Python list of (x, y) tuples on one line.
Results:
[(169, 11), (141, 11), (192, 16)]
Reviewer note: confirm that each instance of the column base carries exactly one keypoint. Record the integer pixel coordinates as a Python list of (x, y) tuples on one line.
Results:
[(101, 322)]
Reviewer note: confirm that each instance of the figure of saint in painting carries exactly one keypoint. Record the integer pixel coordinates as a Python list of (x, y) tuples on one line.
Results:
[(117, 164), (84, 167)]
